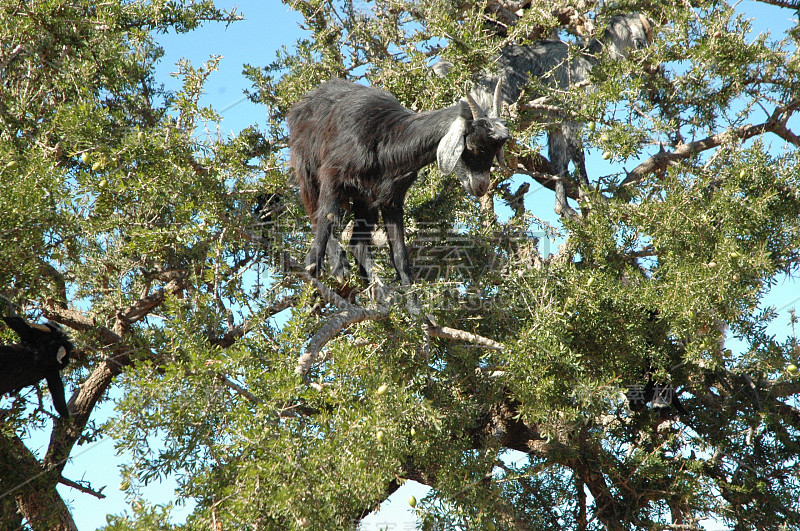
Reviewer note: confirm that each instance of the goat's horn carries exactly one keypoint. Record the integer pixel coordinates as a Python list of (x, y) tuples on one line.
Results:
[(39, 327), (648, 27), (475, 108), (497, 102)]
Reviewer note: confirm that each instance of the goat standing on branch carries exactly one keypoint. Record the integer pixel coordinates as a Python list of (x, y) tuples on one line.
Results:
[(551, 62), (42, 352), (356, 147)]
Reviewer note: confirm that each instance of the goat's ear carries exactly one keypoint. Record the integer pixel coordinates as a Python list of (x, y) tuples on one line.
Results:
[(61, 354), (451, 146)]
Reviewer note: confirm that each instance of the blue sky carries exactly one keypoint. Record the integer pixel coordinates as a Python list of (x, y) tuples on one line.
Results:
[(268, 26)]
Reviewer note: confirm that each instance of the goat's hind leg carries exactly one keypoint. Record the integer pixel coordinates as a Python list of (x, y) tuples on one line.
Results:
[(572, 132), (560, 150), (364, 220), (340, 265), (328, 220)]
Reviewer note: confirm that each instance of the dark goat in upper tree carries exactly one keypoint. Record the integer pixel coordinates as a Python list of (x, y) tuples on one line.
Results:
[(551, 62), (42, 352), (356, 147)]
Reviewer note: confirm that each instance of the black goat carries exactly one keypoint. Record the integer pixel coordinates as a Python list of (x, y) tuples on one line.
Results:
[(356, 147), (551, 62), (42, 352)]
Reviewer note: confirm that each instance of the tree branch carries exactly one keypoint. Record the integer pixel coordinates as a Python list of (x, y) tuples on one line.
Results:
[(86, 490), (32, 485), (461, 335), (350, 315), (10, 57), (790, 4), (147, 303), (227, 382), (237, 332), (661, 161)]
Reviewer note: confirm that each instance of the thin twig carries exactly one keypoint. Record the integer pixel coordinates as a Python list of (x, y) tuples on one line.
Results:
[(227, 382), (77, 486)]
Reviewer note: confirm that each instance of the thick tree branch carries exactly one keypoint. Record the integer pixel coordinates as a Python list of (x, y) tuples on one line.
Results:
[(350, 315), (790, 4), (67, 432), (661, 161), (147, 303)]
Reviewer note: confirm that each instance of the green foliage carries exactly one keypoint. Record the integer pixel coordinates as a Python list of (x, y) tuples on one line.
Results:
[(143, 518)]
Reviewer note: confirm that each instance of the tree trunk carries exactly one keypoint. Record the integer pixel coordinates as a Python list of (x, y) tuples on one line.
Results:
[(28, 491)]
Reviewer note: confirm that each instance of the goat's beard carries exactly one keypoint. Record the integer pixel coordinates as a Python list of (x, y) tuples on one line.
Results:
[(476, 183)]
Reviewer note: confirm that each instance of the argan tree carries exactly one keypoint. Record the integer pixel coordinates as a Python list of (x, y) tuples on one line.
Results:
[(627, 379)]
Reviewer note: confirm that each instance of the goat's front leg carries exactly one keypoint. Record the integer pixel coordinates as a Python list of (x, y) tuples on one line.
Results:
[(340, 265), (395, 235), (561, 150), (364, 220), (56, 387)]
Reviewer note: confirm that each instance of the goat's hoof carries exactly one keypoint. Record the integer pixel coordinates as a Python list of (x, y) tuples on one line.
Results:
[(314, 270), (379, 293), (341, 272), (415, 309)]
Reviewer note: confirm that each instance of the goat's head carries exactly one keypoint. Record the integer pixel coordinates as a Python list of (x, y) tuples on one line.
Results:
[(47, 339), (629, 32), (470, 146)]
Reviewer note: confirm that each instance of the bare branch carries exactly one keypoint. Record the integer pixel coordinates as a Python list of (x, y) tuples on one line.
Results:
[(78, 486), (229, 338), (461, 335), (227, 382), (10, 57), (350, 315), (661, 161)]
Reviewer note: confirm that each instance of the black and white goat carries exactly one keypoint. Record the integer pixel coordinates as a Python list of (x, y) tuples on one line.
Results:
[(42, 352), (551, 62), (357, 148)]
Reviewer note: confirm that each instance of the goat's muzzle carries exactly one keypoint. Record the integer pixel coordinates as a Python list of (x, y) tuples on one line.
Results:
[(480, 187), (474, 182)]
